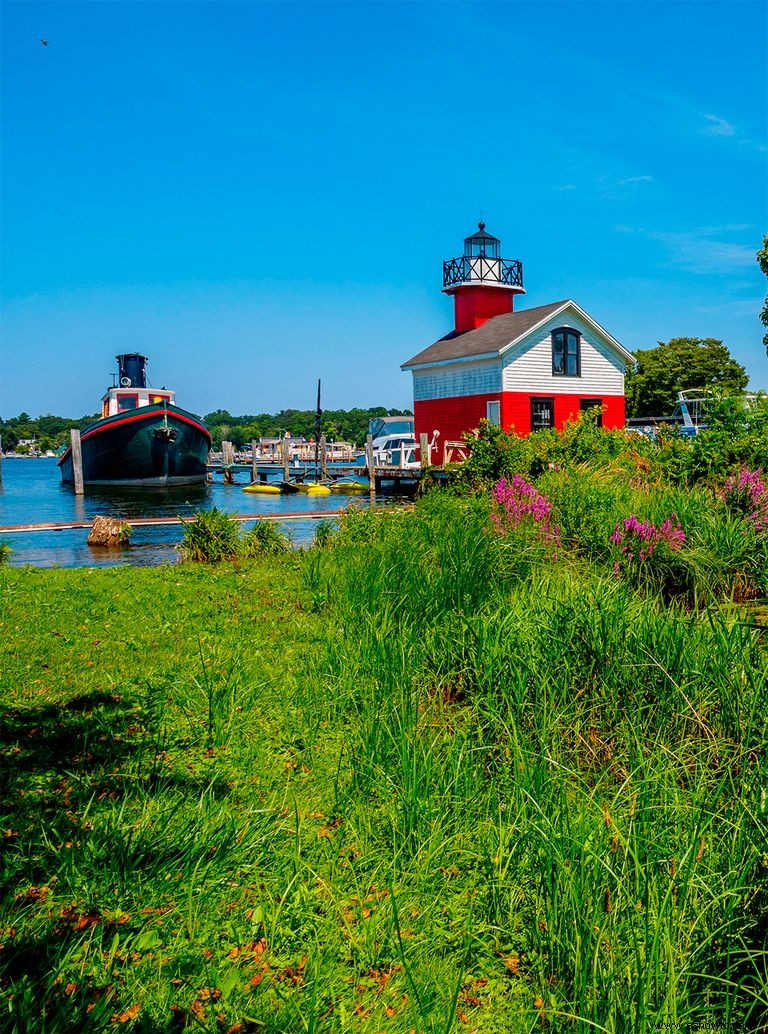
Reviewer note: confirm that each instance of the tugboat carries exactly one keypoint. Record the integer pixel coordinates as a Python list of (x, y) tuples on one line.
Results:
[(142, 438)]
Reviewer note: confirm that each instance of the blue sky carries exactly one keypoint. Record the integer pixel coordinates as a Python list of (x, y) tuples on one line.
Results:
[(260, 194)]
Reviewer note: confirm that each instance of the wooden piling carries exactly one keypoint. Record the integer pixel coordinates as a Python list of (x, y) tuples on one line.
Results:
[(227, 460), (286, 445), (323, 458), (424, 450), (77, 460), (370, 465), (254, 462)]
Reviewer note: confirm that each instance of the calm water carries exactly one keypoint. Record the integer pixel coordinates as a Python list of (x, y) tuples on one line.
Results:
[(32, 493)]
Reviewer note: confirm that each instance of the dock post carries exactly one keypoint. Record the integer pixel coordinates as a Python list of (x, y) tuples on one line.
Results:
[(254, 463), (1, 459), (370, 465), (286, 446), (323, 458), (424, 450), (227, 459), (77, 460)]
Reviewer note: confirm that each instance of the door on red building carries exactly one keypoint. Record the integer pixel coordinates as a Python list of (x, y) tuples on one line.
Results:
[(542, 414)]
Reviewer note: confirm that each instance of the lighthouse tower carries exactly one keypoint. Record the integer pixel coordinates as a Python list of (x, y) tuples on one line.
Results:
[(523, 371), (483, 285)]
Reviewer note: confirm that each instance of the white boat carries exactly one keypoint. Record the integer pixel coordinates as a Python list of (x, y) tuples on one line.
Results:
[(396, 450), (401, 450)]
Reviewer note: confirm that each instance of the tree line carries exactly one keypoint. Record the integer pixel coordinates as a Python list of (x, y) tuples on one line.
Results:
[(338, 425), (680, 364), (349, 425)]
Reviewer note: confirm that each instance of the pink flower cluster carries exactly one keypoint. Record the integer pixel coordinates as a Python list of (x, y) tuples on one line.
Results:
[(747, 492), (640, 539), (518, 500)]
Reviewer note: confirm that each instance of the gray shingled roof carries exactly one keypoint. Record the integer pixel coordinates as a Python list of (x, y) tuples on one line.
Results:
[(491, 337)]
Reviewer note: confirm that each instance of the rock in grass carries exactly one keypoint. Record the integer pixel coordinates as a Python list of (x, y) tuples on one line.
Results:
[(109, 532)]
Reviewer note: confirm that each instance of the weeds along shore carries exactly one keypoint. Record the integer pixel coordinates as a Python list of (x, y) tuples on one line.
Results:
[(498, 763)]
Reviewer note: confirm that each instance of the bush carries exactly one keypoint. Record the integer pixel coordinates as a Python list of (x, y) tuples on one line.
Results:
[(324, 532), (264, 539), (211, 537), (5, 552), (648, 556)]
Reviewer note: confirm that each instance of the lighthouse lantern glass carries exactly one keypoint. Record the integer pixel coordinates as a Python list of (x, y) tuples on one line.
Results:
[(481, 246)]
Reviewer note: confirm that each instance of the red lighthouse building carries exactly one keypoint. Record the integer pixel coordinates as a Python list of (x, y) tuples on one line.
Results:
[(523, 370)]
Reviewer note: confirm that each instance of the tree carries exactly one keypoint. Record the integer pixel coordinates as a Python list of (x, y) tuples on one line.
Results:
[(681, 364), (762, 258)]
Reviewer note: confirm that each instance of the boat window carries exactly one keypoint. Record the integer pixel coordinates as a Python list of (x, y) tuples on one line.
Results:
[(127, 402)]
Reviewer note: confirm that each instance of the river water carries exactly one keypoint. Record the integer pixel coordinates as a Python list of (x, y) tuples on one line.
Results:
[(32, 493)]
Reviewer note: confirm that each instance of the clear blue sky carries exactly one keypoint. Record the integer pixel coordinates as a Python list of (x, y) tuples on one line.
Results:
[(260, 194)]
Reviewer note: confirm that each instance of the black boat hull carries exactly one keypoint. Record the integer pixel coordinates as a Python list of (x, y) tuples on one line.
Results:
[(151, 445)]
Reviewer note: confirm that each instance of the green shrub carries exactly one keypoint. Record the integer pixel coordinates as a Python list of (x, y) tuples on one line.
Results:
[(211, 537), (5, 552), (324, 533), (264, 539)]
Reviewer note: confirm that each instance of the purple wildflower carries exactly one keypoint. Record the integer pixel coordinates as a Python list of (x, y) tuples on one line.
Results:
[(517, 500), (642, 539), (747, 492)]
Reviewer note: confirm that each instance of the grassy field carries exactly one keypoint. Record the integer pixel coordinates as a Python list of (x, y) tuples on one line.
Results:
[(444, 772)]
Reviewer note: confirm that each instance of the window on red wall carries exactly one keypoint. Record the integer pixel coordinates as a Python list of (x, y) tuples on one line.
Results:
[(542, 414), (566, 352), (585, 404)]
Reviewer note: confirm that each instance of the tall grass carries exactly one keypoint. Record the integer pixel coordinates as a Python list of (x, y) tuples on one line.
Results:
[(437, 774), (591, 755)]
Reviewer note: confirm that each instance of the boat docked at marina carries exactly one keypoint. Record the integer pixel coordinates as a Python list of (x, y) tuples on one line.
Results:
[(396, 450), (349, 486), (142, 438)]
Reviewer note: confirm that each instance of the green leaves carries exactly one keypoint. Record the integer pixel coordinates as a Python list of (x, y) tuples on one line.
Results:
[(683, 363)]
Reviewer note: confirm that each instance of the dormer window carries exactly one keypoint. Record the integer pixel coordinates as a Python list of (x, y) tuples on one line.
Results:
[(566, 352)]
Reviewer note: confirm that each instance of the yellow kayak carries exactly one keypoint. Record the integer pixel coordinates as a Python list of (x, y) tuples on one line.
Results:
[(262, 489), (318, 490), (349, 487)]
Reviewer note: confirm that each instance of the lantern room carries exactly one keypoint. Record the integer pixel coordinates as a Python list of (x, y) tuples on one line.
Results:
[(482, 283)]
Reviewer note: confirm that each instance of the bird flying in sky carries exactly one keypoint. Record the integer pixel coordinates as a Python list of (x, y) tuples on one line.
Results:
[(44, 42)]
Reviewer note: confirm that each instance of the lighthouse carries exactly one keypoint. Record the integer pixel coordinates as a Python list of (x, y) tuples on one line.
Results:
[(482, 283), (525, 370)]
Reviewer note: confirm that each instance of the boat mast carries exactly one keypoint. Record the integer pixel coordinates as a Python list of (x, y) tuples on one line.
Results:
[(318, 415)]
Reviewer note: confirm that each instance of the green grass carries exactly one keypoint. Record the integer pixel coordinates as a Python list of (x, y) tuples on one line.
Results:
[(423, 778)]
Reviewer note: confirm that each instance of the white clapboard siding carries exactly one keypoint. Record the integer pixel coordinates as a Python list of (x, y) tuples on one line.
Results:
[(457, 380), (527, 366)]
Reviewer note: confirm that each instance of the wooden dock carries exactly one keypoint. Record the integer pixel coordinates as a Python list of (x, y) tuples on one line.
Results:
[(154, 522), (404, 479), (266, 472)]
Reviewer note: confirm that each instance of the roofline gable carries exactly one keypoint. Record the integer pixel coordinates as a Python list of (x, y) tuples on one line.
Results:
[(570, 303)]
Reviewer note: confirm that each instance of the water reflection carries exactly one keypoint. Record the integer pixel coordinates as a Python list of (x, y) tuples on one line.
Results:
[(32, 492)]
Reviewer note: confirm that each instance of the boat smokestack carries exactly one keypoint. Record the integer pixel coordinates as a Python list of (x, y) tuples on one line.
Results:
[(132, 369)]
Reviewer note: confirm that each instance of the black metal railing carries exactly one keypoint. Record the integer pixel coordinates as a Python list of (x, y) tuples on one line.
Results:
[(479, 269)]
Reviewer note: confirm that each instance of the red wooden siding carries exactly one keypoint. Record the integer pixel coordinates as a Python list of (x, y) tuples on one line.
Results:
[(453, 417)]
